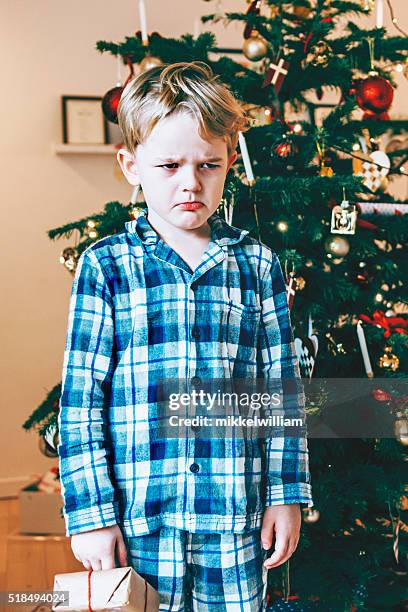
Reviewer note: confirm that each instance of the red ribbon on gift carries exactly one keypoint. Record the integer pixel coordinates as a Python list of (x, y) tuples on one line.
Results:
[(391, 325), (89, 590)]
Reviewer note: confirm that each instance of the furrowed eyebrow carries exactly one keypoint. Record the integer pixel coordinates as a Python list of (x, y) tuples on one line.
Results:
[(170, 160)]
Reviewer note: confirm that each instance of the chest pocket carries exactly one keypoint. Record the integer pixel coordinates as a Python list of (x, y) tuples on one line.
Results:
[(241, 323)]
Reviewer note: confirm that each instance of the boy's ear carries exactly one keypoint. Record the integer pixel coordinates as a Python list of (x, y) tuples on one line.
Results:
[(127, 163), (232, 159)]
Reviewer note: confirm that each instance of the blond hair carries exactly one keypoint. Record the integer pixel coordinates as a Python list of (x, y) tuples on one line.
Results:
[(185, 86)]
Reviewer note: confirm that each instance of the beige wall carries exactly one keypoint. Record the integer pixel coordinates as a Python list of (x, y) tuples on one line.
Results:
[(48, 49)]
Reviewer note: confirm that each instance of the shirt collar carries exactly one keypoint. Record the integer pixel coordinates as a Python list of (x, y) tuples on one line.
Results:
[(221, 232)]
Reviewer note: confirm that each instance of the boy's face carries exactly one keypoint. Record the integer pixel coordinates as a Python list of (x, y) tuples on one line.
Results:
[(175, 165)]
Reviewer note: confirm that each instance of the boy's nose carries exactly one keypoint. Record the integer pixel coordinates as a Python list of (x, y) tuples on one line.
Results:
[(190, 180)]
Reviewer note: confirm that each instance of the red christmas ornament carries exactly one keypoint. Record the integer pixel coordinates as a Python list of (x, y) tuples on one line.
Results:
[(285, 149), (111, 99), (374, 95), (381, 396), (376, 116), (110, 103)]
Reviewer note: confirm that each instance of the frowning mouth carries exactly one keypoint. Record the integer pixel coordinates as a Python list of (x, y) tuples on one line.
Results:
[(190, 205)]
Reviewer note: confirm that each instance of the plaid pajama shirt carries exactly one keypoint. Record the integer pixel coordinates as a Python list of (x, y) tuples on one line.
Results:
[(138, 314)]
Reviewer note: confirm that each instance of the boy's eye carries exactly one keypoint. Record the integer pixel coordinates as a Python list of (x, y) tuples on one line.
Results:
[(175, 164)]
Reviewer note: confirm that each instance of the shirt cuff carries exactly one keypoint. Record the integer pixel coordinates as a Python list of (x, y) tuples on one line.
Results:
[(91, 518), (292, 493)]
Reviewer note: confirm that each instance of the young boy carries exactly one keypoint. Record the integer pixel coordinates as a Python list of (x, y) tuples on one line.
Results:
[(179, 294)]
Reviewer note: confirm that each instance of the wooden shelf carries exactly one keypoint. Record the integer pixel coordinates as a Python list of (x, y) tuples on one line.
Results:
[(84, 149)]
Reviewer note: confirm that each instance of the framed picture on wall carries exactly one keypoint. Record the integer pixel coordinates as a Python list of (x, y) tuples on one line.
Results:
[(83, 121)]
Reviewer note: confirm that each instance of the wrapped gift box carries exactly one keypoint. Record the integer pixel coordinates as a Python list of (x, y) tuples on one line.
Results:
[(120, 589)]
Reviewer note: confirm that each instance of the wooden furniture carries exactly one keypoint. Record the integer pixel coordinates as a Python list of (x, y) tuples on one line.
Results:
[(29, 562)]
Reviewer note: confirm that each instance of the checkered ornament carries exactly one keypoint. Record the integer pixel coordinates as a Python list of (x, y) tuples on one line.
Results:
[(374, 169), (306, 351)]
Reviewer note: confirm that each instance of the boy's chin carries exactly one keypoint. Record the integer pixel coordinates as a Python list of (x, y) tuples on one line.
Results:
[(186, 219)]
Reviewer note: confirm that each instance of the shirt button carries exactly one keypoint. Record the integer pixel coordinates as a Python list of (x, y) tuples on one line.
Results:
[(196, 380), (195, 332), (194, 467)]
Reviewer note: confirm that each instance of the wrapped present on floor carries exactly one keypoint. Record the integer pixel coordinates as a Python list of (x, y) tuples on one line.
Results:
[(119, 589), (49, 482)]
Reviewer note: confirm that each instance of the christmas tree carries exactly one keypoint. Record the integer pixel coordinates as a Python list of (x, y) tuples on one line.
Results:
[(316, 190)]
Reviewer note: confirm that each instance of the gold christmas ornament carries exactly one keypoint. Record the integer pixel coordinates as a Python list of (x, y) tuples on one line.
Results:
[(337, 246), (69, 258), (149, 61), (300, 283), (255, 47), (326, 170), (310, 515), (389, 361)]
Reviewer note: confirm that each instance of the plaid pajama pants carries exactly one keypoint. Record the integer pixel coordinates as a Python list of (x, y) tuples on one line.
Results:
[(202, 571)]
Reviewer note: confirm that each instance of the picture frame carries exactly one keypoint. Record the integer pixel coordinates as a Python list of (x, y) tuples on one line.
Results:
[(83, 121)]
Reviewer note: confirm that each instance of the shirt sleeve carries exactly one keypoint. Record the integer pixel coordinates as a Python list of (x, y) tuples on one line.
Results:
[(86, 487), (288, 479)]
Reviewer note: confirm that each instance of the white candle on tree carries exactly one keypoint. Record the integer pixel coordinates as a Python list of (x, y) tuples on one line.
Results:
[(379, 13), (245, 158), (143, 22), (364, 350)]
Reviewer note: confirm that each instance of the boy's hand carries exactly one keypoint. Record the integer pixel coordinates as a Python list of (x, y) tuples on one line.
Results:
[(96, 549), (285, 520)]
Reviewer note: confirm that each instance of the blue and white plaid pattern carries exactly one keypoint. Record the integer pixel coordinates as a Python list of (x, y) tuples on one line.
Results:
[(138, 314), (219, 572)]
